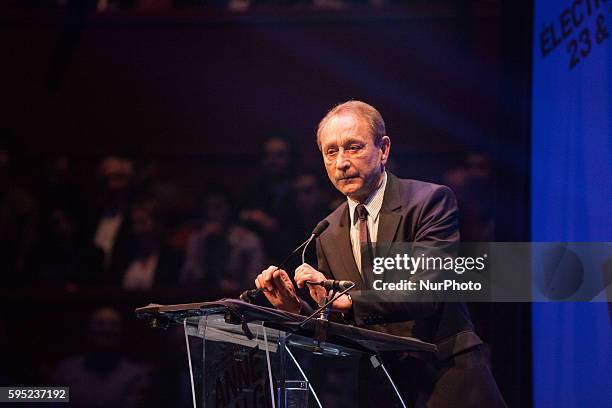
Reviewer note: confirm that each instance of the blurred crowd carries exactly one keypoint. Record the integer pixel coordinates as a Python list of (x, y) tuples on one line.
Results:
[(128, 226), (132, 228), (101, 373)]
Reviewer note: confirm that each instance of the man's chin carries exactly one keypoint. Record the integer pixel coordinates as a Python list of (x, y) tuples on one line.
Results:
[(351, 191)]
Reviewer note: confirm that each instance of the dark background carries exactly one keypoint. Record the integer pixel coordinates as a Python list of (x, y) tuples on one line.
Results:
[(197, 90)]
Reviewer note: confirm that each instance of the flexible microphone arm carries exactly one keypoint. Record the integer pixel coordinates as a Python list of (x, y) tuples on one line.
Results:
[(306, 246), (247, 295)]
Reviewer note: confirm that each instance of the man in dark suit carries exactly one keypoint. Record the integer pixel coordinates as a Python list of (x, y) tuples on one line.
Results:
[(383, 209)]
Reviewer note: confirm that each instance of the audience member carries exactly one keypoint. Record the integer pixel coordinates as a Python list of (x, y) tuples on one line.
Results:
[(311, 201), (109, 222), (63, 259), (57, 188), (474, 186), (311, 206), (147, 262), (18, 224), (221, 253), (102, 377), (170, 382), (268, 206)]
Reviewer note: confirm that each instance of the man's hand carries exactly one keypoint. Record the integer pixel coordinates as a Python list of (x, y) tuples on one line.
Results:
[(306, 273), (278, 288)]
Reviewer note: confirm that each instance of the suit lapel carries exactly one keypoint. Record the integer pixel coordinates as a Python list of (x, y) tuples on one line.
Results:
[(387, 230), (390, 216)]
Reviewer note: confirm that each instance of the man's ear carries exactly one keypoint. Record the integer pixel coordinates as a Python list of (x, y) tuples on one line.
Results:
[(385, 147)]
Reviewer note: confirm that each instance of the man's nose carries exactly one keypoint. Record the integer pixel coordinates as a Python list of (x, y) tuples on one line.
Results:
[(342, 162)]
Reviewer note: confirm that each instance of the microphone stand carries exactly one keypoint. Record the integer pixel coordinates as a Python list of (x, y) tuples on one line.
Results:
[(322, 322), (248, 295), (325, 305), (305, 246)]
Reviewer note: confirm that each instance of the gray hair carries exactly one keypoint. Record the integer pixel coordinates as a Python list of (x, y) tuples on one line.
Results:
[(361, 110)]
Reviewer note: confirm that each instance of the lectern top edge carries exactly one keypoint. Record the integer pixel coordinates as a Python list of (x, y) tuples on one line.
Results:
[(360, 338)]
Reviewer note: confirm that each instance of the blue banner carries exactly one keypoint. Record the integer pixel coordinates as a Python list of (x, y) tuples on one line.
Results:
[(571, 192)]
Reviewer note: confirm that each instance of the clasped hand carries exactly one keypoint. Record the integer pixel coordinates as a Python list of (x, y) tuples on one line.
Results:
[(279, 290)]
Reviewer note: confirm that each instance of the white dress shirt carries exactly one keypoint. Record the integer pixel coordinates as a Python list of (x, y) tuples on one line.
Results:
[(106, 234), (140, 274)]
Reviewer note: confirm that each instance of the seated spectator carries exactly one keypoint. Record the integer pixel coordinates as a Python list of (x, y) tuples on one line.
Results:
[(311, 201), (57, 187), (102, 377), (109, 221), (474, 186), (18, 223), (170, 380), (221, 253), (63, 259), (311, 206), (147, 263), (267, 206)]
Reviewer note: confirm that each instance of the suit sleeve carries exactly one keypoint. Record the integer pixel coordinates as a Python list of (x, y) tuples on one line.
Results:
[(436, 233), (322, 265)]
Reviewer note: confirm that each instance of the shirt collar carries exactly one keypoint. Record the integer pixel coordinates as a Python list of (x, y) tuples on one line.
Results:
[(373, 203)]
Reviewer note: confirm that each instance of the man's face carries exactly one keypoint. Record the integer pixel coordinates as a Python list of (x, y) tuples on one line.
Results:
[(353, 162), (105, 328)]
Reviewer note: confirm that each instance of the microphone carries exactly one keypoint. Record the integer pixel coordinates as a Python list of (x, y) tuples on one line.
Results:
[(249, 295), (321, 329), (336, 285), (318, 230)]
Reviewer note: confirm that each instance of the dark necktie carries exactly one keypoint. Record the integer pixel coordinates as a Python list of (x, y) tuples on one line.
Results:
[(365, 244)]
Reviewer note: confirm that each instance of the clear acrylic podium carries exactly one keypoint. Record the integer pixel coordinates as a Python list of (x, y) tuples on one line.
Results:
[(243, 355)]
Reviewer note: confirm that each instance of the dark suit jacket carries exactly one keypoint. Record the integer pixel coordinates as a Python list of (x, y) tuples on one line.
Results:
[(412, 211)]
